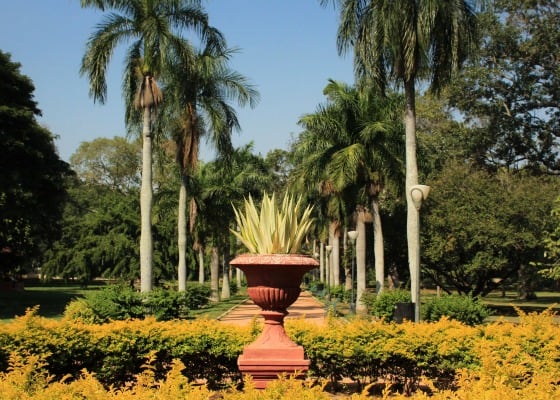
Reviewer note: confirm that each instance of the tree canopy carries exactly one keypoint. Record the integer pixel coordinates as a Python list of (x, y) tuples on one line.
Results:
[(32, 176)]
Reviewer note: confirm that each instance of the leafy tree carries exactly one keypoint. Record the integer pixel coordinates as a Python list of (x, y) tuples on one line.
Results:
[(100, 226), (114, 163), (510, 94), (154, 28), (98, 238), (32, 176), (483, 230), (405, 42)]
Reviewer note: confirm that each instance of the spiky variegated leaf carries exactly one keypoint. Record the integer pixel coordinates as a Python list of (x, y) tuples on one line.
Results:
[(273, 229)]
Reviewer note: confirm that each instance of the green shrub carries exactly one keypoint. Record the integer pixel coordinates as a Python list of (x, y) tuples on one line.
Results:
[(166, 305), (198, 295), (384, 304), (466, 309), (338, 293), (117, 302)]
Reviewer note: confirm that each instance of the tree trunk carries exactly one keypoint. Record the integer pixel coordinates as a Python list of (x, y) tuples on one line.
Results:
[(361, 273), (226, 292), (378, 251), (238, 277), (146, 194), (214, 275), (413, 217), (182, 236), (348, 266), (200, 264), (322, 262), (334, 258)]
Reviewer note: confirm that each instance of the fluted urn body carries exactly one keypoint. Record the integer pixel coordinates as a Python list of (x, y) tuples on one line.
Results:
[(273, 282)]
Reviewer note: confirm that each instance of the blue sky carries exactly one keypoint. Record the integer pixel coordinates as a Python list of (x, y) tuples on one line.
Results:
[(287, 50)]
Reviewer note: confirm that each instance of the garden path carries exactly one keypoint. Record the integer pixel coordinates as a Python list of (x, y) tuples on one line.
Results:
[(306, 306)]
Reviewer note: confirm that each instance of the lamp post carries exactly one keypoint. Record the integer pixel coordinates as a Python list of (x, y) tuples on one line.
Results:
[(353, 235), (418, 194), (328, 271)]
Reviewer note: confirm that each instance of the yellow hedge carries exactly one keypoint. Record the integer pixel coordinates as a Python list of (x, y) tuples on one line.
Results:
[(145, 359)]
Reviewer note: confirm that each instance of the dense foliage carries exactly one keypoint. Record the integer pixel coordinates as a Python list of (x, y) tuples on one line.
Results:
[(451, 358), (32, 176), (467, 309), (510, 94), (118, 302), (481, 230), (383, 305)]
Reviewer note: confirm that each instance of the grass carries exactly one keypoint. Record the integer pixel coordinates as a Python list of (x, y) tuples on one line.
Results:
[(53, 298), (215, 310)]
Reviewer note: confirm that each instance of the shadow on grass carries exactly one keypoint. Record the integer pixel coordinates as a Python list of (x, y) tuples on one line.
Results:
[(51, 301)]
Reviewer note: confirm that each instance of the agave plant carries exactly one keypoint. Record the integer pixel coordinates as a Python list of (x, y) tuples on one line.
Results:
[(273, 229)]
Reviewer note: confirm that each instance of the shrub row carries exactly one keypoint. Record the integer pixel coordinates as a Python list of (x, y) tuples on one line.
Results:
[(118, 302), (466, 309), (446, 353)]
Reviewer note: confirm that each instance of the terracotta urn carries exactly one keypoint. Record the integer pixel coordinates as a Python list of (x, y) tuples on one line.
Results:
[(273, 282)]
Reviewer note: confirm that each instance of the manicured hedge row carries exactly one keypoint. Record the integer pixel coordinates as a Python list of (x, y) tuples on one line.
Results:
[(446, 354)]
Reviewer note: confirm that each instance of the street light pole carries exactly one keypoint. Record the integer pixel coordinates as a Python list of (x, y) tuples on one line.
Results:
[(418, 194), (353, 235)]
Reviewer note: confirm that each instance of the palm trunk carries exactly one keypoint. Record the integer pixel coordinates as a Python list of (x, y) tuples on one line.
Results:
[(182, 236), (200, 264), (361, 273), (413, 217), (334, 257), (214, 275), (146, 195), (322, 262), (226, 292), (378, 251), (348, 266)]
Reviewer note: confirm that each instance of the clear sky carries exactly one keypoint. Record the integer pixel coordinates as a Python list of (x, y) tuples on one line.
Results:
[(287, 50)]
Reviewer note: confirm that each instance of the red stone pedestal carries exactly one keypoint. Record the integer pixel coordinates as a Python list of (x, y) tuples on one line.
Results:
[(273, 284)]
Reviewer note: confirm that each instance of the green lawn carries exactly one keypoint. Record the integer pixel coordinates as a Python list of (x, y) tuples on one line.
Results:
[(53, 299)]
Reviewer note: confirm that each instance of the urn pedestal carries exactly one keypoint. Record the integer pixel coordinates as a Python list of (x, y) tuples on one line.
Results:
[(273, 283)]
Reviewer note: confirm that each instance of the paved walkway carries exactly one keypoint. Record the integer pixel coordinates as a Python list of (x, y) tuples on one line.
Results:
[(306, 306)]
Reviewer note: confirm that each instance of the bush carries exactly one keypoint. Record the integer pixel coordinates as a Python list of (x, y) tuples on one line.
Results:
[(115, 302), (339, 293), (198, 295), (466, 309), (166, 305), (118, 302), (458, 361), (384, 304)]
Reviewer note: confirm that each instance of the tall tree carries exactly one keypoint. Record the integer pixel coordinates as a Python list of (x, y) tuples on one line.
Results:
[(510, 94), (485, 229), (406, 42), (154, 29), (355, 139), (202, 88), (32, 176)]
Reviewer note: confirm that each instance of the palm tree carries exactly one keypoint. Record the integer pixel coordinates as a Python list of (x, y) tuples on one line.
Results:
[(226, 183), (202, 88), (354, 139), (406, 42), (153, 28)]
